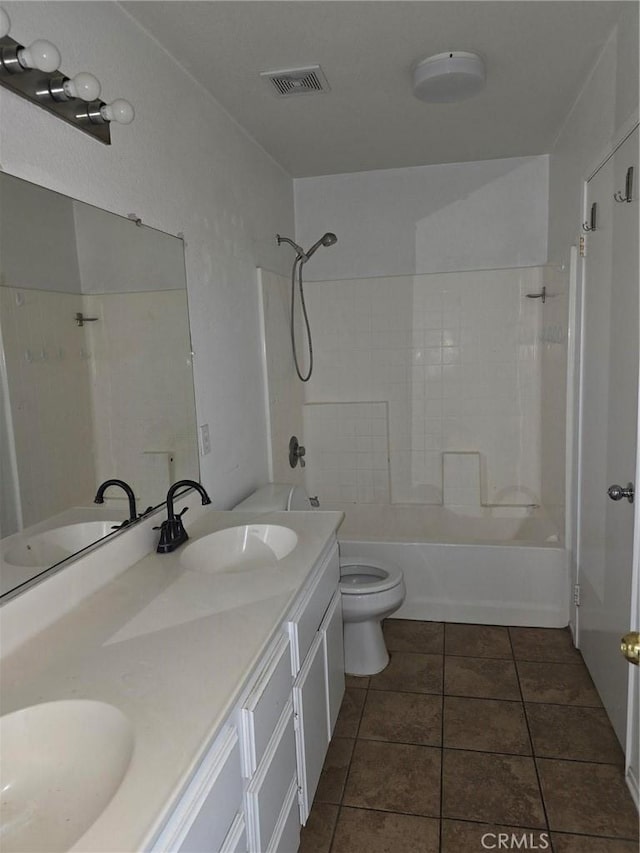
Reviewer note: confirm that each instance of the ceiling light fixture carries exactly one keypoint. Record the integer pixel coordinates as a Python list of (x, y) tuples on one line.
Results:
[(448, 77)]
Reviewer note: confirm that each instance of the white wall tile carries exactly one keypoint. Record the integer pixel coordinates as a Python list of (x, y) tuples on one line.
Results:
[(473, 386)]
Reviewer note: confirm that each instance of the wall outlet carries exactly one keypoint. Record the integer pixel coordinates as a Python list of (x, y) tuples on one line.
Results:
[(205, 440)]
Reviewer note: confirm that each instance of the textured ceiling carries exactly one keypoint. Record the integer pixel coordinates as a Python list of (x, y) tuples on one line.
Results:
[(536, 54)]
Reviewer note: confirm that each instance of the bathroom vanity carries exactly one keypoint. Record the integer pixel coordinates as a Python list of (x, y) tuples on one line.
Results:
[(216, 672)]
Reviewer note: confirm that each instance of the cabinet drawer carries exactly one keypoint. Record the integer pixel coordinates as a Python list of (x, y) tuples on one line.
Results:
[(236, 840), (269, 787), (305, 620), (264, 705), (286, 836), (207, 809)]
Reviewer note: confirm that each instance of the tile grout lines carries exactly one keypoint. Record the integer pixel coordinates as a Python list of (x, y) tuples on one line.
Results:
[(533, 754), (527, 710)]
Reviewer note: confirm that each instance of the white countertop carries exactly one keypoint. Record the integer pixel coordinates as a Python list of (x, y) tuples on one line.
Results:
[(171, 649)]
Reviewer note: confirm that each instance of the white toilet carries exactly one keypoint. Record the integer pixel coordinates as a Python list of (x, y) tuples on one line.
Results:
[(370, 591)]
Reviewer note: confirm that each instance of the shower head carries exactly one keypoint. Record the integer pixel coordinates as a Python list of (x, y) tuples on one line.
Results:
[(327, 239)]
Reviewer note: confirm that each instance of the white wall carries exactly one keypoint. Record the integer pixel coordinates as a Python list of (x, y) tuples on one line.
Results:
[(188, 168), (461, 216)]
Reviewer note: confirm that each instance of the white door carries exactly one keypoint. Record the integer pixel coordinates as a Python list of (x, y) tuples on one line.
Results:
[(609, 409)]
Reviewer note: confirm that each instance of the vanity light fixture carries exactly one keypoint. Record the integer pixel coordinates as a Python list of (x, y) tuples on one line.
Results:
[(32, 72)]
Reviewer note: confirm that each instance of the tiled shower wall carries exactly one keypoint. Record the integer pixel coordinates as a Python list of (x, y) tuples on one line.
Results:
[(142, 390), (114, 398), (456, 357), (47, 362)]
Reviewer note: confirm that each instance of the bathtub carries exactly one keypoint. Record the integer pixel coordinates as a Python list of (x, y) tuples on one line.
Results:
[(497, 566)]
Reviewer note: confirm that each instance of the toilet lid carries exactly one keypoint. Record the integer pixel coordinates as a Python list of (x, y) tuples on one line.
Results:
[(359, 575)]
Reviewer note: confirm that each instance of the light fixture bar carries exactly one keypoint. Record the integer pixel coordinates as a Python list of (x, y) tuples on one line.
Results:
[(32, 72), (35, 86)]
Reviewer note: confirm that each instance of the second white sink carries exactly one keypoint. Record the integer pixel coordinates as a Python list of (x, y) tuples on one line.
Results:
[(51, 546), (240, 549)]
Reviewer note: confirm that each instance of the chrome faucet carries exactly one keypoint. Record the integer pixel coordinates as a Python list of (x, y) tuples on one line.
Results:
[(172, 532), (99, 498)]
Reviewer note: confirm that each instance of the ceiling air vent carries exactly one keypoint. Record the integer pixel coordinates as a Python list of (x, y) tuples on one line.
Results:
[(296, 81)]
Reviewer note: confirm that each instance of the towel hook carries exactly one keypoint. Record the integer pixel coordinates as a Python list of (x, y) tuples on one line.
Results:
[(542, 295), (628, 188), (590, 224)]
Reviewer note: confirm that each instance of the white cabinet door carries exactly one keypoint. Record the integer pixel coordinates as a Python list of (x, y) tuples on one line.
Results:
[(333, 640), (286, 835), (312, 726), (207, 809)]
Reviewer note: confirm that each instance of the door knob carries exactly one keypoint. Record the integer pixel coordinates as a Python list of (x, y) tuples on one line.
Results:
[(616, 493), (630, 647)]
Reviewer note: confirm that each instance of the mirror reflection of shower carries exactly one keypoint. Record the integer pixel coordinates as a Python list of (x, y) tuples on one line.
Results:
[(301, 258)]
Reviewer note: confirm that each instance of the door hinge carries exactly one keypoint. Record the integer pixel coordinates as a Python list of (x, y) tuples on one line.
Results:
[(583, 247), (576, 595)]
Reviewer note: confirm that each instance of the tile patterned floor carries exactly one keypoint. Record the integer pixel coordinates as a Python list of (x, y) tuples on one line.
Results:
[(471, 731)]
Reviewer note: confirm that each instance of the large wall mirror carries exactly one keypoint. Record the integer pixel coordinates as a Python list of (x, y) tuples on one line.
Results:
[(96, 378)]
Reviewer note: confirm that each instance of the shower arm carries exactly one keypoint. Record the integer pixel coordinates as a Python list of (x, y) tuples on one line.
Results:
[(301, 252)]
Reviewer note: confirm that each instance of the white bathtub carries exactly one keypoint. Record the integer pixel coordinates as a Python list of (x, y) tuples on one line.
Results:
[(501, 566)]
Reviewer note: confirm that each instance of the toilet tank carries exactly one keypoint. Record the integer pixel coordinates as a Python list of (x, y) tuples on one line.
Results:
[(274, 497)]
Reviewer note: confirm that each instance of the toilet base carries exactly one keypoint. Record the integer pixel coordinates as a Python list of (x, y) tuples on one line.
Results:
[(365, 652)]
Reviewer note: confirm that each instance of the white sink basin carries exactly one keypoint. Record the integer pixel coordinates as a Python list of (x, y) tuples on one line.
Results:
[(51, 546), (240, 549), (61, 764)]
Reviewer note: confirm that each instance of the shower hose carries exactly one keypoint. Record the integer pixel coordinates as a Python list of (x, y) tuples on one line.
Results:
[(296, 277)]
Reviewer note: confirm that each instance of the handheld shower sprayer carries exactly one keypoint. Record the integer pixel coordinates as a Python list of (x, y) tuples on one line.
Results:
[(328, 239)]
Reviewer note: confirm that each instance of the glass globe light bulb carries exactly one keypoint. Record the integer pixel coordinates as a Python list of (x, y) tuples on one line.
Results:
[(5, 23), (84, 86), (118, 110), (41, 55)]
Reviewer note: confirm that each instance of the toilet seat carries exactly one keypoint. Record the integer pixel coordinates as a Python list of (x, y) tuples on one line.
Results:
[(361, 576)]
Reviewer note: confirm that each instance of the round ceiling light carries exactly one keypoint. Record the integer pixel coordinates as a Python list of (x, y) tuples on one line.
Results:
[(447, 77)]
